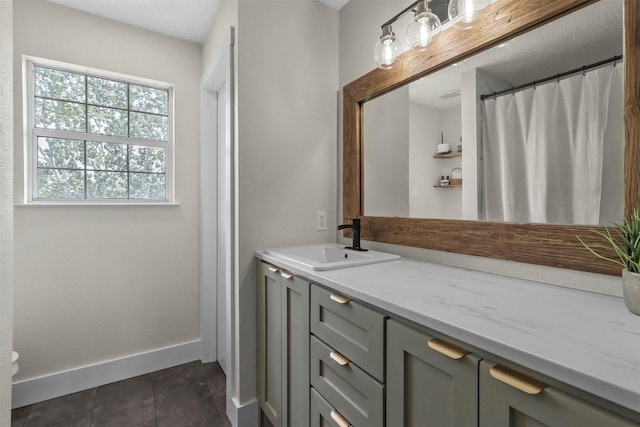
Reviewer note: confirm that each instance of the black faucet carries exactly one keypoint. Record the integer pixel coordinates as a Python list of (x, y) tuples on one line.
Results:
[(355, 230)]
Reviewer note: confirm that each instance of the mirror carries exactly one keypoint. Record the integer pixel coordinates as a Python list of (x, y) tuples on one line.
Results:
[(404, 130), (543, 244)]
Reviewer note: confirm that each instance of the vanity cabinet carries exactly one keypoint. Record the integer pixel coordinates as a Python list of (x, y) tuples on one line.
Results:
[(326, 359), (283, 346), (430, 381), (509, 398)]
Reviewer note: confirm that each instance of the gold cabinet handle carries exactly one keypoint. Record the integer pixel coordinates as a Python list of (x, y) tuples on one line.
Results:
[(273, 269), (286, 275), (448, 349), (340, 299), (339, 419), (516, 380), (338, 358)]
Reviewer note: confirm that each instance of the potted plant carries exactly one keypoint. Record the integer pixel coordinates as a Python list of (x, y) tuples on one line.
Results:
[(626, 245)]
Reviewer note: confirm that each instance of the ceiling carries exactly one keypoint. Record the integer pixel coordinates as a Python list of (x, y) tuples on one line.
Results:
[(188, 20), (589, 35)]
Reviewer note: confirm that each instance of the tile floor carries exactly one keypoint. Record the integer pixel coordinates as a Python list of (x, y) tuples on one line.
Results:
[(192, 394)]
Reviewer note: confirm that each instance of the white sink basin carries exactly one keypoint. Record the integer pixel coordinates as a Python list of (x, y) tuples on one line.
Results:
[(329, 256)]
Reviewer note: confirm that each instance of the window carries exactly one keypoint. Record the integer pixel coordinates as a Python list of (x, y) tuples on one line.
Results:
[(97, 137)]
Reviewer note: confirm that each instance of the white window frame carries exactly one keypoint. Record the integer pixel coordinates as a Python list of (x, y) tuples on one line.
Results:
[(32, 133)]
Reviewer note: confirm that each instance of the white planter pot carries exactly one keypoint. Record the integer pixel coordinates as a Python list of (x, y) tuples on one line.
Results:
[(631, 291)]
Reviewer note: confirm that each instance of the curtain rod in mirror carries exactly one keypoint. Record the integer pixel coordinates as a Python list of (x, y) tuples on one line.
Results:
[(582, 69)]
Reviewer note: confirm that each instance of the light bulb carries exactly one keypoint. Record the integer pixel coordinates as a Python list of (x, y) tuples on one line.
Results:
[(422, 27), (386, 49), (462, 13)]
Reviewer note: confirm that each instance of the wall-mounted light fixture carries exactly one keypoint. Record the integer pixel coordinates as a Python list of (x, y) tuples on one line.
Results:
[(462, 13), (423, 27)]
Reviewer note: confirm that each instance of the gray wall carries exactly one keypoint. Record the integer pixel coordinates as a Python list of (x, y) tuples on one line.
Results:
[(427, 128), (387, 154), (287, 158)]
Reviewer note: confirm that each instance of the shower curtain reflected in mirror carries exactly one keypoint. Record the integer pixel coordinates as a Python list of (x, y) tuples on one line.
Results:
[(543, 150)]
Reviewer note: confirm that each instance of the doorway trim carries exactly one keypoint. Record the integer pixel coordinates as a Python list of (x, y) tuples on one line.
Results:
[(220, 74)]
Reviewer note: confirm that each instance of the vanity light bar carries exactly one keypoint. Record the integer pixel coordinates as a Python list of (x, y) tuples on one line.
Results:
[(423, 27)]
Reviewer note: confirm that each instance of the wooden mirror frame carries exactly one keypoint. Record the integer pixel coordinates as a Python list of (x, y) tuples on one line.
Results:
[(543, 244)]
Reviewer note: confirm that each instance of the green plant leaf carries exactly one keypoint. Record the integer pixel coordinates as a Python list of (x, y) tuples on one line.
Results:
[(626, 246)]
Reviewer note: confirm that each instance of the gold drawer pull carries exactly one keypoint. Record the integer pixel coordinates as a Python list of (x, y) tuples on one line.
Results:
[(339, 419), (448, 349), (273, 269), (340, 359), (286, 275), (516, 380), (340, 299)]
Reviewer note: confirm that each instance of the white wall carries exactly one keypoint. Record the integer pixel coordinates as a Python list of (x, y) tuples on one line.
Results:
[(96, 283), (360, 22), (6, 208)]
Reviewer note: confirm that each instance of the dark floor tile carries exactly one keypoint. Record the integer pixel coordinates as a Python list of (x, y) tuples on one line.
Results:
[(80, 420), (124, 403), (217, 382), (213, 370), (212, 421), (19, 416), (70, 410), (179, 377), (184, 406), (124, 415), (136, 386), (190, 395)]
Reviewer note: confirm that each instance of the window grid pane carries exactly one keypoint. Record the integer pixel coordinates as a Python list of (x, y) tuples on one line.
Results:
[(81, 179), (62, 98), (60, 85), (84, 169)]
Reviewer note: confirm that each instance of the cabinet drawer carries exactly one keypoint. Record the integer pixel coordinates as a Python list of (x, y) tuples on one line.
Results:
[(323, 414), (502, 404), (349, 389), (353, 329)]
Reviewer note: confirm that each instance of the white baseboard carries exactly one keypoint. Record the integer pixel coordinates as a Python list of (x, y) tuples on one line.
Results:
[(47, 387), (242, 415)]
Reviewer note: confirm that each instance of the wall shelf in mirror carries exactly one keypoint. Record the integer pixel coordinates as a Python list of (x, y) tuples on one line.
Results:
[(447, 156), (533, 243), (448, 186)]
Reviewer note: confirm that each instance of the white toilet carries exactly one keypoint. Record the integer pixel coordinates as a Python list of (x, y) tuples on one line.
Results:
[(14, 362)]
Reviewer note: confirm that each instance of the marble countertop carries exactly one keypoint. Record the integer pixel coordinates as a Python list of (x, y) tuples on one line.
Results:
[(587, 340)]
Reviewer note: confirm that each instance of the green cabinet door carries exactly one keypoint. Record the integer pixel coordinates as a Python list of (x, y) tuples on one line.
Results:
[(295, 351), (426, 387), (502, 404), (270, 342), (283, 346)]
